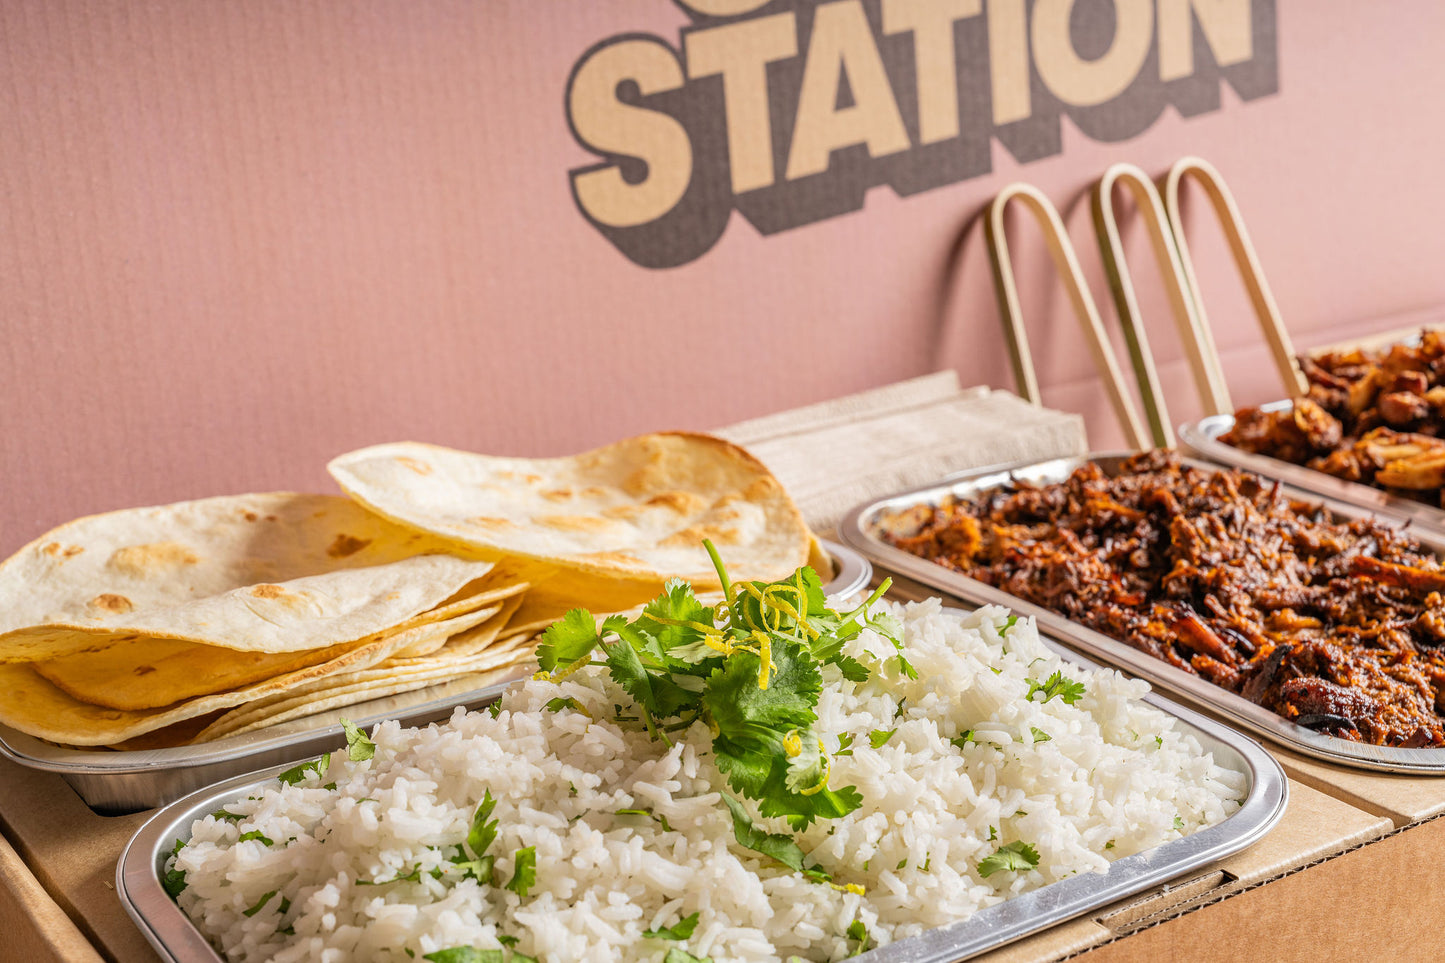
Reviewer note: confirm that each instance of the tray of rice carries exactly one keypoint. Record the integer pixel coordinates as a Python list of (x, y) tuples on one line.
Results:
[(762, 780), (1308, 621)]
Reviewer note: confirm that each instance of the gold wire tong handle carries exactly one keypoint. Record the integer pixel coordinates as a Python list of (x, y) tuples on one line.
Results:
[(1245, 260), (1068, 267), (1198, 346)]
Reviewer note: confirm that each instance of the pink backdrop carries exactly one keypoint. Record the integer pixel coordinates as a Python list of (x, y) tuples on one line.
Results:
[(237, 239)]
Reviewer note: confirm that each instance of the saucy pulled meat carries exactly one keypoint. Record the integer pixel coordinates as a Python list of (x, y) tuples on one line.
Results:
[(1339, 627), (1377, 418)]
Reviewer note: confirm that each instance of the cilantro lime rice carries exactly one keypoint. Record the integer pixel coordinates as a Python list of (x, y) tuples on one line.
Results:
[(561, 830)]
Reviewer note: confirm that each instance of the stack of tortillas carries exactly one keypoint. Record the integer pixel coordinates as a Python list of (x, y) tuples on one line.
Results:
[(204, 619)]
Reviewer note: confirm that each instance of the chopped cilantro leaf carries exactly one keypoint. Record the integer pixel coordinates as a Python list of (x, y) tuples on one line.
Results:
[(1179, 823), (926, 863), (1010, 622), (780, 847), (174, 881), (359, 746), (680, 930), (962, 739), (506, 940), (524, 871), (560, 703), (901, 863), (1159, 742), (845, 745), (1015, 856), (495, 709), (879, 737), (1056, 685), (858, 933), (464, 954), (675, 955), (223, 814), (992, 833), (1040, 735), (297, 773), (483, 832), (567, 640), (254, 834), (1109, 844), (259, 903)]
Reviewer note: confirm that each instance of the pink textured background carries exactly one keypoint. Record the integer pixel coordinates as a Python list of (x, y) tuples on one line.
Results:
[(237, 239)]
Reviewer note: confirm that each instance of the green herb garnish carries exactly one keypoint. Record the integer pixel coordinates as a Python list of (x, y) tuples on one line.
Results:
[(963, 739), (254, 834), (1040, 735), (750, 669), (297, 773), (858, 933), (845, 745), (174, 881), (567, 702), (223, 814), (464, 954), (259, 903), (1016, 857), (878, 738), (524, 871), (1179, 823), (359, 747), (777, 845), (675, 955), (680, 930), (1056, 685)]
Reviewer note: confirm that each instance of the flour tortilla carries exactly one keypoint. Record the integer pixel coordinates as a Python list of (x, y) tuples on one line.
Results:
[(637, 510), (365, 685), (270, 573), (154, 673), (32, 704)]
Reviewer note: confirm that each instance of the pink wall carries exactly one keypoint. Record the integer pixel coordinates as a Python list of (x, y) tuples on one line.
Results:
[(238, 239)]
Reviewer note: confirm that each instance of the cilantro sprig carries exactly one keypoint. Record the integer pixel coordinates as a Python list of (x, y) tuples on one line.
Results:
[(751, 669)]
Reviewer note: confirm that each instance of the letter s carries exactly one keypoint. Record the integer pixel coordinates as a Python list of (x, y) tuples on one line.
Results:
[(603, 123)]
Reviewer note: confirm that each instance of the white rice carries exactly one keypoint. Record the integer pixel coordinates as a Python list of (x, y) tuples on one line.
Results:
[(1116, 777)]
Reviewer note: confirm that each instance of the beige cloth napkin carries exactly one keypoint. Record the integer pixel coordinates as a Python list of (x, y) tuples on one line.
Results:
[(835, 455)]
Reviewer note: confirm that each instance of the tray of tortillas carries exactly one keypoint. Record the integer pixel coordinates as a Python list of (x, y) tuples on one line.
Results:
[(145, 653)]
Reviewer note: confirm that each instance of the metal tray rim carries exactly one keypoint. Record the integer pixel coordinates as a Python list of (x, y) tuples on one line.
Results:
[(855, 530), (853, 573), (1202, 438), (176, 939)]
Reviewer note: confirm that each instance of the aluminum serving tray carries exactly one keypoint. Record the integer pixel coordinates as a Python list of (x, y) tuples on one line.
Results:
[(1202, 438), (112, 782), (861, 531), (142, 864)]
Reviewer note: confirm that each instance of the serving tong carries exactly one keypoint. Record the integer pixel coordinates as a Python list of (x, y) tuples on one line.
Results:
[(1163, 217)]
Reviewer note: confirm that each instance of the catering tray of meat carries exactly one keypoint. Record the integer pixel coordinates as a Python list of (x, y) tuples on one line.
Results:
[(948, 819), (1309, 621), (1369, 431)]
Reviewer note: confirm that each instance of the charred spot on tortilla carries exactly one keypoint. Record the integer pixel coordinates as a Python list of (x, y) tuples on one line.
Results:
[(684, 503), (154, 558), (267, 591), (62, 551), (110, 602), (488, 521), (575, 523), (345, 545)]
